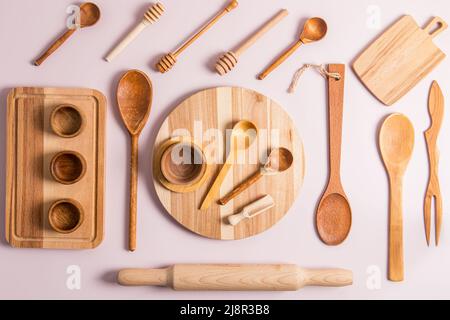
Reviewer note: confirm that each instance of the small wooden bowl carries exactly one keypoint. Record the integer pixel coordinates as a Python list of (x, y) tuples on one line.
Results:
[(183, 177), (68, 167), (178, 171), (65, 216), (66, 121)]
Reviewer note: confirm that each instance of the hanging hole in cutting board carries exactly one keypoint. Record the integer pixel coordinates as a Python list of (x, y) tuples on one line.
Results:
[(435, 26)]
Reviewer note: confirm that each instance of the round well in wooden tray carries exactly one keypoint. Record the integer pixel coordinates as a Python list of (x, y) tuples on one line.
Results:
[(65, 216), (68, 167), (210, 113), (66, 121)]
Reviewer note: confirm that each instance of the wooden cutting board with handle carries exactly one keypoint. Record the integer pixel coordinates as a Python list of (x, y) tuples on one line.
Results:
[(395, 62)]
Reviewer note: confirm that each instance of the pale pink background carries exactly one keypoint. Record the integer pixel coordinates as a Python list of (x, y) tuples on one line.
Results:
[(27, 26)]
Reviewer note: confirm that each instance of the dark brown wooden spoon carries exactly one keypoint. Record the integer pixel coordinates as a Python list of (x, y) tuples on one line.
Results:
[(134, 98), (89, 15)]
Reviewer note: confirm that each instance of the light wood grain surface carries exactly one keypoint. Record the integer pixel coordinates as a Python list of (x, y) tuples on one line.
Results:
[(236, 277), (31, 190), (394, 63), (220, 108)]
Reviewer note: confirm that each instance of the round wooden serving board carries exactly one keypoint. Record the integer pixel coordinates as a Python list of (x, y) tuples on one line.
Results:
[(207, 115)]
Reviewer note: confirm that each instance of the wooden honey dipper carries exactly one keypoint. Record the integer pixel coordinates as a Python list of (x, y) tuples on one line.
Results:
[(153, 13), (228, 61), (167, 61)]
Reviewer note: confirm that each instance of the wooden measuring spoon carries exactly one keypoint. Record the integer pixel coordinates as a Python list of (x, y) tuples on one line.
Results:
[(242, 136), (134, 98), (334, 215), (396, 145), (168, 61), (252, 210), (280, 159), (313, 30), (89, 15)]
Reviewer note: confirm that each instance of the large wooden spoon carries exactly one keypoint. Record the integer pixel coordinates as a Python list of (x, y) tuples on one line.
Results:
[(89, 15), (242, 136), (396, 146), (334, 215), (279, 160), (134, 98), (313, 30)]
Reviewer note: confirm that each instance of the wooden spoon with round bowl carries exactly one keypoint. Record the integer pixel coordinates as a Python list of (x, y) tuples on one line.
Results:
[(242, 136), (313, 30), (89, 15), (134, 98), (279, 160)]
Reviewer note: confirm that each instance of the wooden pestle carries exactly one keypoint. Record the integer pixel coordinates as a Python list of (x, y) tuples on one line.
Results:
[(236, 277), (153, 13), (228, 61), (168, 61)]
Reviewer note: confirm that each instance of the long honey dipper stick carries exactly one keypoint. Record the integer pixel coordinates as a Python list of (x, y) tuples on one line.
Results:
[(228, 61), (153, 13), (167, 61)]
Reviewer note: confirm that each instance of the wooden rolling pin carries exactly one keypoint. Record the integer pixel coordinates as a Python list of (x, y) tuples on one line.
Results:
[(153, 13), (228, 61), (167, 62), (236, 277)]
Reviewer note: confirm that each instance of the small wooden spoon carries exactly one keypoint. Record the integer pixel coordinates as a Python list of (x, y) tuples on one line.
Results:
[(280, 159), (396, 146), (313, 30), (89, 15), (242, 136), (134, 98), (334, 215)]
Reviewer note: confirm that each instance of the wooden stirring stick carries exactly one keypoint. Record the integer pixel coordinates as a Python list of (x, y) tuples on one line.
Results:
[(89, 15), (436, 111), (168, 61), (152, 15), (228, 61), (252, 210)]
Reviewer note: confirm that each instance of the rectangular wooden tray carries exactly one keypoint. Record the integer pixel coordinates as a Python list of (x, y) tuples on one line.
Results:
[(30, 188)]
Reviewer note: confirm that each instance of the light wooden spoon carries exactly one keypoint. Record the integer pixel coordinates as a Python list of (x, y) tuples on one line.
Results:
[(280, 159), (396, 145), (89, 15), (242, 136), (134, 98)]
